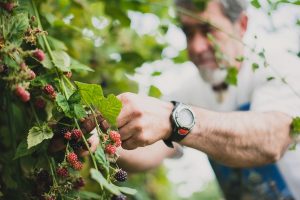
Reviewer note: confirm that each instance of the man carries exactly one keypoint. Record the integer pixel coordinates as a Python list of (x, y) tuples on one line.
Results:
[(255, 132)]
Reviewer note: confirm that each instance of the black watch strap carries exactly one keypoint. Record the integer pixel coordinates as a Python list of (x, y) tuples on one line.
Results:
[(176, 134)]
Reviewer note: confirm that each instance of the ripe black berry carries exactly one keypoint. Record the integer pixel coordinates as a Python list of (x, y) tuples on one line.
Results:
[(78, 183), (121, 175), (119, 197)]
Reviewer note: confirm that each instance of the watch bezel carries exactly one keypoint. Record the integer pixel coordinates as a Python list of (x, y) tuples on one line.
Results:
[(176, 113)]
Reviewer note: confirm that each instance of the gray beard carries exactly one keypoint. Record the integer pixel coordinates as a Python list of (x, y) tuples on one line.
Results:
[(213, 76)]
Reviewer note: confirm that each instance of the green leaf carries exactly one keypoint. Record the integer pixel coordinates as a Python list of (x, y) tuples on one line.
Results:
[(63, 103), (295, 126), (79, 111), (127, 190), (91, 93), (154, 92), (47, 63), (61, 60), (23, 150), (56, 44), (231, 77), (101, 159), (88, 195), (75, 97), (255, 66), (77, 66), (270, 78), (110, 108), (255, 3), (97, 176), (37, 134)]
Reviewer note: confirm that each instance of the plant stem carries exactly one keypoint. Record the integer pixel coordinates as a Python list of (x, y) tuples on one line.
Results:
[(87, 146)]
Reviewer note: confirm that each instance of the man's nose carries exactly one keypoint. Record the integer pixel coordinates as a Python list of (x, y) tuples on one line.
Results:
[(199, 44)]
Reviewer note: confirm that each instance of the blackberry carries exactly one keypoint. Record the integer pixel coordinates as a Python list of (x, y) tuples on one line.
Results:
[(119, 197), (78, 183), (121, 175), (4, 70), (76, 146), (43, 177), (61, 131)]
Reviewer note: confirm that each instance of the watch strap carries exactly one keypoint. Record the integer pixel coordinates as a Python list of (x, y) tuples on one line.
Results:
[(177, 133)]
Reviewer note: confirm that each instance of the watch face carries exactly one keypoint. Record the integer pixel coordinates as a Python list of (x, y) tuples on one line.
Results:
[(185, 118)]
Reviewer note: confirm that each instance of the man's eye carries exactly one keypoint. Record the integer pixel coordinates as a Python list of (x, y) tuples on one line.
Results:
[(188, 31)]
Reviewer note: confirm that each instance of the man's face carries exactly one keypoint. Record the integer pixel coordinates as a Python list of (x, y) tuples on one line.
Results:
[(201, 49)]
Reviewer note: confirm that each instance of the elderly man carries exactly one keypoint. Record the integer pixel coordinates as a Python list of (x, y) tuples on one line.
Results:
[(239, 126)]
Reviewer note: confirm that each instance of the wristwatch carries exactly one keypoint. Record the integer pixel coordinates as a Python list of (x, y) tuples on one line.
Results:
[(182, 121)]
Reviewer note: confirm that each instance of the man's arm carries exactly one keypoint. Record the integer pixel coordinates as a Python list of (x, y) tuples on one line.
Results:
[(238, 139)]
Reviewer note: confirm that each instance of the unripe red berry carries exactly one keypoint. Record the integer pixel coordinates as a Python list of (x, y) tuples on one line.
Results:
[(48, 89), (9, 6), (76, 134), (62, 172), (77, 165), (31, 75), (72, 158), (110, 149), (114, 136), (22, 94), (39, 55), (78, 183), (68, 135)]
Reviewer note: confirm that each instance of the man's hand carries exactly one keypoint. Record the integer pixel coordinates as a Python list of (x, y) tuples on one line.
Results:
[(143, 120)]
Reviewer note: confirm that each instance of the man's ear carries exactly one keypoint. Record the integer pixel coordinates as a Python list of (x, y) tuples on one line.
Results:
[(243, 23)]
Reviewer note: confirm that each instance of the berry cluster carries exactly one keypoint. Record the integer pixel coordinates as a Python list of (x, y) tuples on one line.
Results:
[(113, 142)]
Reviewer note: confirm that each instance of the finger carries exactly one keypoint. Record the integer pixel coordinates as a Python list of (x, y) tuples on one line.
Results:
[(93, 142), (129, 144), (129, 130), (125, 114)]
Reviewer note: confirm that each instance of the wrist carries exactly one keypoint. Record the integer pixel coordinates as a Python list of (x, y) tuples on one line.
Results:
[(168, 130)]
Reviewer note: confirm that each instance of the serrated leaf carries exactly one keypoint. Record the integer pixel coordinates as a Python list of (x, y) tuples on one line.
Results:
[(90, 92), (110, 108), (79, 111), (61, 60), (77, 66), (38, 134), (231, 77), (154, 92), (127, 190), (22, 150), (255, 66), (63, 103), (97, 176)]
